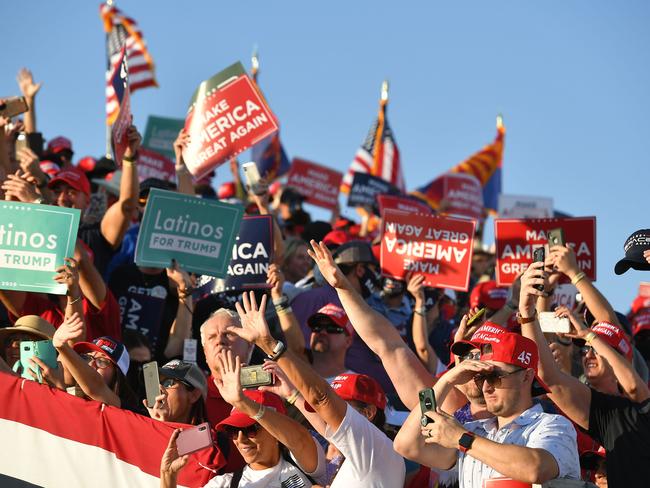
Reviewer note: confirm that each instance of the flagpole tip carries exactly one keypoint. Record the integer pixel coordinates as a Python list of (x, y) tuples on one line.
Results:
[(384, 90), (109, 3), (255, 60), (499, 121)]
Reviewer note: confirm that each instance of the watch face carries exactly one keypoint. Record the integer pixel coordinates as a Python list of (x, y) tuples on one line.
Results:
[(425, 421)]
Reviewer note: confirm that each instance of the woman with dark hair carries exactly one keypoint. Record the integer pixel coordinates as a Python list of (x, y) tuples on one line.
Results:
[(99, 368)]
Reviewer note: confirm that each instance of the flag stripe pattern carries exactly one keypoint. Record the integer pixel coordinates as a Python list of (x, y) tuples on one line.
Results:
[(378, 155), (120, 31)]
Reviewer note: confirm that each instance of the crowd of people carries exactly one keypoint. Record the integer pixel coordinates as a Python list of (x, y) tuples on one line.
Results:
[(351, 353)]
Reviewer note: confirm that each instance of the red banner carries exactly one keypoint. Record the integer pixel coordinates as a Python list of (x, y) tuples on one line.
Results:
[(440, 248), (227, 115), (463, 195), (318, 184), (154, 165), (403, 204), (517, 239)]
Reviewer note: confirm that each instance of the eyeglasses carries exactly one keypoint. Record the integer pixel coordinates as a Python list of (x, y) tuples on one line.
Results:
[(100, 362), (172, 382), (584, 350), (494, 378), (471, 355), (250, 431), (329, 328)]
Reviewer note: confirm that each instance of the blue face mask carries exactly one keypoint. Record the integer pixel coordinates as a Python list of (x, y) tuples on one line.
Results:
[(370, 282)]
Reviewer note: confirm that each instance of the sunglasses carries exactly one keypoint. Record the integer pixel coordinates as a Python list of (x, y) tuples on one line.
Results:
[(172, 382), (329, 328), (584, 350), (100, 362), (250, 431), (471, 355), (494, 378)]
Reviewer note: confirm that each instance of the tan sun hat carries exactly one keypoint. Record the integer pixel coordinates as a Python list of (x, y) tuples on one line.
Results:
[(31, 324)]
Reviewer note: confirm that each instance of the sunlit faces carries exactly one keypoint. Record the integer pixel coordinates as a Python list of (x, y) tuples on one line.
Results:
[(180, 398), (328, 336), (503, 387), (66, 196), (596, 368), (102, 364), (298, 265), (216, 338), (259, 449)]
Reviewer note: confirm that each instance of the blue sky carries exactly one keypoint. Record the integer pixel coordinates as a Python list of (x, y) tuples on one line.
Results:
[(571, 78)]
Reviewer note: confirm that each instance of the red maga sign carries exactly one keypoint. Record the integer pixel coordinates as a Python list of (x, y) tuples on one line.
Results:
[(517, 239), (403, 204), (154, 165), (226, 116), (440, 248), (318, 184), (463, 195)]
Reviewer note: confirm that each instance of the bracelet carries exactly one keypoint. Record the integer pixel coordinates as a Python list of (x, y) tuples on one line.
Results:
[(260, 413), (132, 159), (590, 337), (74, 300), (281, 301), (284, 311), (422, 311), (291, 399), (278, 351), (576, 279), (181, 169)]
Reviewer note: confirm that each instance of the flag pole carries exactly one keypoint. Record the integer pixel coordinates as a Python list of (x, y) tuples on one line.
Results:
[(109, 152), (384, 92), (255, 63)]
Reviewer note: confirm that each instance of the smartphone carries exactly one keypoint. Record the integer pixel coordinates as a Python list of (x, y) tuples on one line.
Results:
[(427, 404), (194, 439), (254, 376), (43, 350), (476, 317), (549, 323), (151, 382), (556, 237), (539, 254), (13, 106), (20, 144), (253, 178)]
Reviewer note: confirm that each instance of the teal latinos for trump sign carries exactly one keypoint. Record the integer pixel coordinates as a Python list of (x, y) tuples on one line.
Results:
[(198, 233), (34, 239)]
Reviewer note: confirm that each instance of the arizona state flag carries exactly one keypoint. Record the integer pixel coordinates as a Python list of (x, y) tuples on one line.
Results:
[(485, 165)]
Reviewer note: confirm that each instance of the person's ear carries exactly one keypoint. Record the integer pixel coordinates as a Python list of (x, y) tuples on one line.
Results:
[(195, 394), (359, 270), (370, 412)]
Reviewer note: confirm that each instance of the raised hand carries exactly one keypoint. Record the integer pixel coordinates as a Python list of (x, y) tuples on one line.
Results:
[(534, 275), (328, 268), (282, 386), (68, 274), (275, 278), (182, 278), (415, 286), (254, 327), (564, 260), (230, 383), (646, 255), (160, 409), (70, 330), (25, 80), (18, 188), (181, 142), (134, 141), (445, 430), (578, 328), (171, 463), (53, 376), (464, 333), (466, 370)]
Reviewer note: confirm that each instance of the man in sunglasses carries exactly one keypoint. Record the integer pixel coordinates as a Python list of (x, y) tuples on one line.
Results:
[(331, 337), (520, 442)]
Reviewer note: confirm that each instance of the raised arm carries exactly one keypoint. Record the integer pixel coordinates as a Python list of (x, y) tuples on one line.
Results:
[(569, 394), (181, 328), (404, 368), (183, 176), (86, 377), (288, 322), (29, 89), (68, 274), (91, 282), (118, 216), (629, 380), (264, 207), (415, 286), (286, 430), (314, 389)]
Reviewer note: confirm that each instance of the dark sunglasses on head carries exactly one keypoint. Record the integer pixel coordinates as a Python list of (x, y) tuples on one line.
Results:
[(250, 431), (493, 378), (170, 382), (329, 328)]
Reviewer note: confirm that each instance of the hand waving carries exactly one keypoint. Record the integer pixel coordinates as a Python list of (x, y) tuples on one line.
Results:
[(328, 268), (26, 83), (70, 330), (254, 327), (230, 383)]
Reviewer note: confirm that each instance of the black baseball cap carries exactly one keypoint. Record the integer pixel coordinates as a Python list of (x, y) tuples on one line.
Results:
[(634, 247), (354, 252)]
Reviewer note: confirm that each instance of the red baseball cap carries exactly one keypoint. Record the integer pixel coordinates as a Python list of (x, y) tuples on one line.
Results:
[(511, 348), (640, 303), (488, 294), (641, 321), (359, 387), (114, 350), (59, 144), (336, 238), (74, 177), (50, 168), (334, 313), (87, 164), (240, 419), (227, 190), (482, 335), (615, 337)]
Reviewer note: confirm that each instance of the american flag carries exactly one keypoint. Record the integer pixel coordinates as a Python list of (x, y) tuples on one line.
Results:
[(378, 155), (123, 31)]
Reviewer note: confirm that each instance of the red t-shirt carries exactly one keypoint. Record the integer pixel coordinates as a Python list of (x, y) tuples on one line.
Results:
[(104, 321), (217, 409)]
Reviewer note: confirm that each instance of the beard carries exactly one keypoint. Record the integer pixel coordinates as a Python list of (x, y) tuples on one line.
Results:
[(320, 346), (473, 393)]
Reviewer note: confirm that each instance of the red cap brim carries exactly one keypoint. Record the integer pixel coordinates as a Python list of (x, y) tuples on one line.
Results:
[(236, 419)]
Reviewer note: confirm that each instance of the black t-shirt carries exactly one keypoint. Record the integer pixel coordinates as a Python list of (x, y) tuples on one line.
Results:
[(146, 304), (91, 234), (623, 429)]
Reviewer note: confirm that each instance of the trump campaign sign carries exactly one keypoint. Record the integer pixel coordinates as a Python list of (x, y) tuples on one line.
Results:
[(516, 240), (226, 116), (402, 203), (318, 184), (440, 248), (251, 254)]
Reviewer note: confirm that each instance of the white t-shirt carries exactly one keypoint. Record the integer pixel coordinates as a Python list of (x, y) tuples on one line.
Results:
[(282, 475), (369, 456)]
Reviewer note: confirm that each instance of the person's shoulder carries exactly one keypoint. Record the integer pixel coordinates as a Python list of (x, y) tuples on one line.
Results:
[(220, 481)]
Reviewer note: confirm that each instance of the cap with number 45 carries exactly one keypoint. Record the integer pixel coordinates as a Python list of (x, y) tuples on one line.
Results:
[(511, 348)]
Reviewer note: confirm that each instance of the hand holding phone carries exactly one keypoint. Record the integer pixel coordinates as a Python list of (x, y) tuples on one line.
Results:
[(151, 382), (194, 439), (427, 404), (549, 323), (556, 237), (253, 179), (539, 255), (13, 106), (254, 376)]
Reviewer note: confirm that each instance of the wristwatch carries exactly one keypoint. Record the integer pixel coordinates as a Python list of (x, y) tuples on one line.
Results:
[(526, 320), (278, 351), (465, 442)]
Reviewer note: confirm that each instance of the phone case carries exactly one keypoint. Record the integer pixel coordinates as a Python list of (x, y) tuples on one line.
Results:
[(43, 350), (549, 323), (556, 237), (151, 382), (194, 439), (253, 177), (254, 376)]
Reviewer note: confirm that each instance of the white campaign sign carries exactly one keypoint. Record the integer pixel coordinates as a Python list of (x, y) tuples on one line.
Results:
[(525, 207)]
